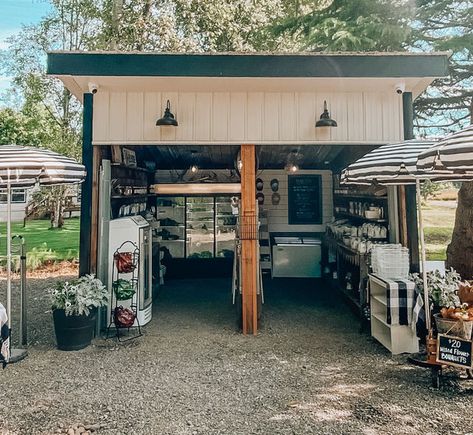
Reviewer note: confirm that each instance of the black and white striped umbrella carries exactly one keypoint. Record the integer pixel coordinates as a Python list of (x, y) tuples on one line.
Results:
[(27, 166), (389, 164), (397, 164), (22, 166), (454, 153)]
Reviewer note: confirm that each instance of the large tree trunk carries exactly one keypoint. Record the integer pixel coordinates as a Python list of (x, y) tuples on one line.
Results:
[(460, 250)]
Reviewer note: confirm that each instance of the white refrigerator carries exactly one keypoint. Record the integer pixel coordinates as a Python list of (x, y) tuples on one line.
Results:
[(137, 230)]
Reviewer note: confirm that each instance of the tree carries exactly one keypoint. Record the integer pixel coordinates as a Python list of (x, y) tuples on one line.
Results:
[(357, 25), (70, 26), (448, 104), (445, 25), (189, 25)]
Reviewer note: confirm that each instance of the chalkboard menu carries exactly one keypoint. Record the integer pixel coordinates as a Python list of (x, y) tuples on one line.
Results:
[(304, 199), (454, 351)]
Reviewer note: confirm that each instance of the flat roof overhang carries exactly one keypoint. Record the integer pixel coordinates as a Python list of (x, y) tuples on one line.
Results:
[(362, 65)]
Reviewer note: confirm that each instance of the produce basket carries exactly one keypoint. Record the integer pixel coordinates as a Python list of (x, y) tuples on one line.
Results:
[(455, 327)]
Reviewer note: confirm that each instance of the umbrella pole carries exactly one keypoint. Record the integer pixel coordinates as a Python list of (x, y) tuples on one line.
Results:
[(424, 261), (8, 249)]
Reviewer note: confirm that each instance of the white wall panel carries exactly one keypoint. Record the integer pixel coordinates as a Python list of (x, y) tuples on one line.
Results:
[(237, 116), (134, 116), (186, 105), (272, 104), (101, 119), (203, 106), (355, 116), (305, 117), (255, 117), (288, 117), (153, 110), (220, 116), (373, 111), (117, 116), (247, 117), (278, 214)]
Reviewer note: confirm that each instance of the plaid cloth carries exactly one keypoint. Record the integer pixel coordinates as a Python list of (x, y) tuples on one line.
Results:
[(419, 311), (400, 295), (4, 337)]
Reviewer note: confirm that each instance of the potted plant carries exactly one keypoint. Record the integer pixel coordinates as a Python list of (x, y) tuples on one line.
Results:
[(74, 305), (443, 289)]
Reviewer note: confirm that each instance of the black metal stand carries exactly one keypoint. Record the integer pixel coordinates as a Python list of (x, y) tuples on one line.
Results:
[(133, 277)]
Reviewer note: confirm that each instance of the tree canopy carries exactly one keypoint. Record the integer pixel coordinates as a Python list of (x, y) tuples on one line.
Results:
[(38, 102), (446, 25)]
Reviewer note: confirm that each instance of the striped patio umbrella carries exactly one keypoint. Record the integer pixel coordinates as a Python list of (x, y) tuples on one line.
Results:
[(22, 166), (389, 164), (453, 153), (395, 164), (26, 166)]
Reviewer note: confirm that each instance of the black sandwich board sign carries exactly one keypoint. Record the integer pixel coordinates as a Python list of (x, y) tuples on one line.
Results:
[(454, 351)]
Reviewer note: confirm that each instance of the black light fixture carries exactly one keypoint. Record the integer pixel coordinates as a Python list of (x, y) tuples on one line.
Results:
[(194, 168), (292, 161), (325, 120), (168, 118)]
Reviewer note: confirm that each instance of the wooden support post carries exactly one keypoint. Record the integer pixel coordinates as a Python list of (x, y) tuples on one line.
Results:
[(248, 227), (402, 216)]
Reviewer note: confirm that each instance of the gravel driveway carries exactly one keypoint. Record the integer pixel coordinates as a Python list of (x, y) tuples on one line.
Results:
[(309, 371)]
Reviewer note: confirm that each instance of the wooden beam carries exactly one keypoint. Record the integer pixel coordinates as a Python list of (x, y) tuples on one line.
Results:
[(402, 216), (249, 234)]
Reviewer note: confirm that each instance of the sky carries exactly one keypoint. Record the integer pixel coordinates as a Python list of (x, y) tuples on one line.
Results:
[(14, 13)]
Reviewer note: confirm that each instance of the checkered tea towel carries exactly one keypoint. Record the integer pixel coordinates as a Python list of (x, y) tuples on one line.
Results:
[(400, 294), (4, 337)]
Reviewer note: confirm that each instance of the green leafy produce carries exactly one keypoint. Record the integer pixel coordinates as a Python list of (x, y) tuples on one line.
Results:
[(123, 289)]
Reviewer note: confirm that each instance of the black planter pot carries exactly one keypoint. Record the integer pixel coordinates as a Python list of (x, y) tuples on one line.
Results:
[(73, 332)]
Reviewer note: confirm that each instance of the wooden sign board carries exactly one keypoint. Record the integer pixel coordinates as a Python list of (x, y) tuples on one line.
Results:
[(454, 351), (304, 199)]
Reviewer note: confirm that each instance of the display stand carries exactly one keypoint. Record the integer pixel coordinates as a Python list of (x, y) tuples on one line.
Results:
[(132, 277)]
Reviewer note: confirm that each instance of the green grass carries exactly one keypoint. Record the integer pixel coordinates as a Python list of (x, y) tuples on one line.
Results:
[(61, 244), (439, 218)]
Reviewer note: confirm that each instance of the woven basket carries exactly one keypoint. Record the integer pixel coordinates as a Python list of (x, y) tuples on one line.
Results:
[(457, 328)]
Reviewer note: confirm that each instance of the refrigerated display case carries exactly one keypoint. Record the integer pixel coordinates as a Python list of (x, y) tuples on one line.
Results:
[(225, 227), (200, 227), (172, 229), (197, 227)]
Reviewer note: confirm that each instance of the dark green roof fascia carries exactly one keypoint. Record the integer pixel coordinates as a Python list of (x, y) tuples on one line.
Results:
[(264, 65)]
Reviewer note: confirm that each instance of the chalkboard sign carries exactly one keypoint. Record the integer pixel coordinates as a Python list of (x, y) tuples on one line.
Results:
[(454, 351), (304, 199)]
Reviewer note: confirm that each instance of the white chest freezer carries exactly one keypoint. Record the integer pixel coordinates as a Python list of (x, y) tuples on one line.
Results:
[(297, 257)]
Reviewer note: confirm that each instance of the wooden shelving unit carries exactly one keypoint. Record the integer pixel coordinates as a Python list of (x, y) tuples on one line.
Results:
[(396, 338)]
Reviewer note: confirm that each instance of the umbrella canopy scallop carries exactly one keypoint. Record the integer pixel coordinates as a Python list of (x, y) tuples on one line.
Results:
[(389, 164), (27, 166), (453, 153)]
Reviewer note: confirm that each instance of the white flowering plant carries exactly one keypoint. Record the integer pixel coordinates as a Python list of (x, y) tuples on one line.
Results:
[(79, 296), (443, 289)]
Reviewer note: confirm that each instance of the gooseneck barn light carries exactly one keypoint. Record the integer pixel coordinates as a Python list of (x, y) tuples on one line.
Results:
[(325, 120), (168, 118)]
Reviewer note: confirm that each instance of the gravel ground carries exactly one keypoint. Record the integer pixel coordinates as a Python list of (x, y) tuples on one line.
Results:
[(309, 371)]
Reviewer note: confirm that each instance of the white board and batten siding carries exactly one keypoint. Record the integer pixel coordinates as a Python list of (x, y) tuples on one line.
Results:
[(278, 214), (129, 118)]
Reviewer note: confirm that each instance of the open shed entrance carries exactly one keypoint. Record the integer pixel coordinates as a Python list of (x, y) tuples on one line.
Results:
[(197, 197)]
